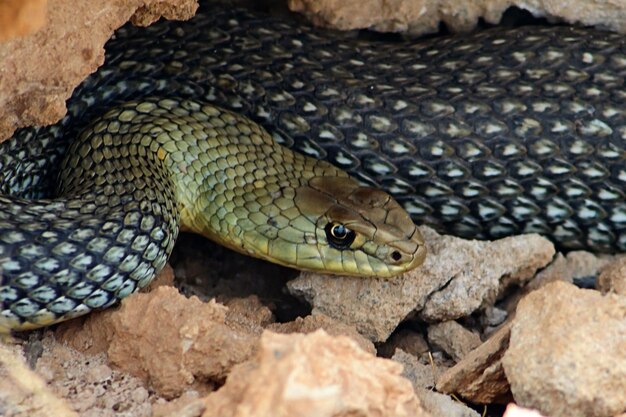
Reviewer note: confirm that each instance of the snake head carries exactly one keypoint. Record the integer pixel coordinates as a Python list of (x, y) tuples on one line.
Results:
[(358, 230)]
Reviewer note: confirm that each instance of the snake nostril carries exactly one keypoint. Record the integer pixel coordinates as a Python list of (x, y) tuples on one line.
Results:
[(395, 255)]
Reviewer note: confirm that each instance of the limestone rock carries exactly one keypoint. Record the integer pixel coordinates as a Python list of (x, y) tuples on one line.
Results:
[(444, 405), (172, 342), (423, 379), (479, 377), (331, 326), (39, 71), (613, 278), (575, 265), (24, 393), (421, 375), (89, 384), (567, 354), (314, 375), (458, 277), (453, 339), (249, 314), (21, 17), (425, 16), (407, 340), (513, 410)]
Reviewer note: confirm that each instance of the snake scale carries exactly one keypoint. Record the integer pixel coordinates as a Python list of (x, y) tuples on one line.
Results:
[(500, 132)]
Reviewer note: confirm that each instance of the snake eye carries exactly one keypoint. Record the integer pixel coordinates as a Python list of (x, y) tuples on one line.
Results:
[(339, 236)]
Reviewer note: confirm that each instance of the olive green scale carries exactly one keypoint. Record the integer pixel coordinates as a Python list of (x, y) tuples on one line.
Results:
[(132, 177)]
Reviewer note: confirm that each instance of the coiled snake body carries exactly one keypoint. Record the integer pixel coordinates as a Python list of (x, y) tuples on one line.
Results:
[(497, 133)]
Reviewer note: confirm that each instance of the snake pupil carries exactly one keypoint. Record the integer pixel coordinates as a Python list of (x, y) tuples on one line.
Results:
[(395, 255), (339, 231), (339, 236)]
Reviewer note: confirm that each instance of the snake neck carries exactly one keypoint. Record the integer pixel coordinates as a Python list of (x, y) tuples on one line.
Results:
[(228, 180), (232, 182)]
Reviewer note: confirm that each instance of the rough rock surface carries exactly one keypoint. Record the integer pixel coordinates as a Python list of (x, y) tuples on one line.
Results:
[(613, 278), (452, 338), (32, 89), (443, 405), (331, 326), (21, 17), (172, 342), (407, 340), (574, 266), (567, 354), (89, 384), (314, 375), (421, 375), (425, 16), (23, 392), (458, 277), (513, 410), (479, 377)]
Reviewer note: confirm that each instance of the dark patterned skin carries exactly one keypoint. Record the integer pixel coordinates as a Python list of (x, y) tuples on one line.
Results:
[(483, 135), (500, 132)]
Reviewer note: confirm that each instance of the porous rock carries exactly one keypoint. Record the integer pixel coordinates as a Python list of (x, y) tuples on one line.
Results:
[(513, 410), (567, 354), (575, 265), (20, 17), (452, 338), (89, 385), (613, 278), (249, 314), (443, 405), (190, 404), (458, 277), (479, 377), (331, 326), (410, 341), (314, 375), (23, 392), (422, 376), (425, 16), (172, 342), (39, 71)]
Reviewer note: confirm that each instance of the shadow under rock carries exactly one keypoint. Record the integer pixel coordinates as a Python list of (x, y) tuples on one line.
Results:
[(208, 270)]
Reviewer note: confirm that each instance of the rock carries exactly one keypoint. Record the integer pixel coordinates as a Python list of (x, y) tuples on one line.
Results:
[(453, 339), (423, 379), (333, 327), (421, 375), (407, 340), (89, 385), (567, 354), (164, 278), (23, 392), (314, 375), (613, 278), (443, 405), (249, 314), (576, 265), (172, 342), (492, 317), (425, 16), (21, 17), (187, 405), (40, 70), (514, 411), (479, 377), (458, 277)]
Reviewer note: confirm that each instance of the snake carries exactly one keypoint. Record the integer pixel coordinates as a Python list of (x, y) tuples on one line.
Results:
[(311, 148)]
